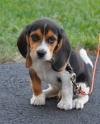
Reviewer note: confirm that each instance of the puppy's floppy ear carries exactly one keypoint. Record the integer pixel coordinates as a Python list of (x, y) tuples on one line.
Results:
[(28, 57), (23, 45), (62, 51)]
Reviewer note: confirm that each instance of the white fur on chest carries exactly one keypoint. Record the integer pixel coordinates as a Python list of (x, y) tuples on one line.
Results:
[(45, 72)]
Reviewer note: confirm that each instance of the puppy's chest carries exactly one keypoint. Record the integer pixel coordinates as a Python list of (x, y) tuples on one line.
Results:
[(45, 72)]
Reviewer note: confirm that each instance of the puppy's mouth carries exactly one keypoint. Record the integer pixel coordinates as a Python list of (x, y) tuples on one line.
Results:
[(45, 59)]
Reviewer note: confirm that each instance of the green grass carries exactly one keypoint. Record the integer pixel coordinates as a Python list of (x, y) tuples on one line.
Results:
[(80, 19)]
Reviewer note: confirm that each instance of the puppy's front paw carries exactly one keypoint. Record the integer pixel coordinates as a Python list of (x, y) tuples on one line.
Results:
[(78, 104), (38, 100), (63, 104)]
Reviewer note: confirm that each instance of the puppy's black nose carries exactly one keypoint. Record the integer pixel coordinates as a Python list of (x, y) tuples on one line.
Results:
[(41, 53)]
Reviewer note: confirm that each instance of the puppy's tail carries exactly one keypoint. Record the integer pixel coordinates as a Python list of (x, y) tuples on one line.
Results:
[(85, 57)]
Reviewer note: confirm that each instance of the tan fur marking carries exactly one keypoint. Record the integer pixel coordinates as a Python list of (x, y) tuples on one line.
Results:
[(38, 32), (50, 33), (34, 45), (36, 82), (51, 46), (28, 57), (28, 61)]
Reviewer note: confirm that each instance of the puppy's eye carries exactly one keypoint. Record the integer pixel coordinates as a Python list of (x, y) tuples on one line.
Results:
[(51, 40), (35, 37)]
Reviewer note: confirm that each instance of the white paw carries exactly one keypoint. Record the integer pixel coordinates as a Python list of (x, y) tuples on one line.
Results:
[(38, 100), (78, 104), (63, 104)]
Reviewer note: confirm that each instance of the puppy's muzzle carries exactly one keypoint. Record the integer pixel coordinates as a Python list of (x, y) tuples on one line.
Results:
[(41, 53)]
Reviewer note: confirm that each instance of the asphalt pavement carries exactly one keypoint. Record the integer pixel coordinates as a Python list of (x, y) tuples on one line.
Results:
[(15, 108)]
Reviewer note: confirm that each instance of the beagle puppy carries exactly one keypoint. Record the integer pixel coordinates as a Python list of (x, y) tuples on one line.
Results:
[(47, 51)]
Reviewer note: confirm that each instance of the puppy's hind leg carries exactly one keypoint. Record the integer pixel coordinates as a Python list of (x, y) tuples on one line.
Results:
[(51, 91), (79, 102)]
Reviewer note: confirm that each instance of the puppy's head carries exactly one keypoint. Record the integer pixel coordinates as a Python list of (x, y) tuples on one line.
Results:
[(45, 41)]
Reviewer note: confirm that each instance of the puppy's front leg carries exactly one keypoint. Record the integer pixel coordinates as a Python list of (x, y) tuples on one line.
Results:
[(38, 97), (66, 92)]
